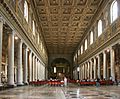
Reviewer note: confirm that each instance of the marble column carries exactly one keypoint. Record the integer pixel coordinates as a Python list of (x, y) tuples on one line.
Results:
[(95, 68), (99, 67), (11, 59), (91, 69), (44, 72), (40, 70), (88, 70), (104, 66), (1, 37), (25, 67), (36, 69), (19, 67), (30, 66), (84, 70), (6, 65), (112, 63), (79, 72), (33, 68)]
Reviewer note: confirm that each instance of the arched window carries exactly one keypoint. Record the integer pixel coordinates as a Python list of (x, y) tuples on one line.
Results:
[(76, 56), (33, 27), (78, 52), (81, 49), (114, 11), (91, 37), (41, 46), (54, 69), (38, 39), (85, 44), (26, 10), (99, 28), (43, 51)]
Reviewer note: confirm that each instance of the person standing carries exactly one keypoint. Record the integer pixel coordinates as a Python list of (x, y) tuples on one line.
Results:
[(65, 81), (98, 82)]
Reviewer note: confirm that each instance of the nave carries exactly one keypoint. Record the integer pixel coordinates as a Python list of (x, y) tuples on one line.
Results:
[(69, 92)]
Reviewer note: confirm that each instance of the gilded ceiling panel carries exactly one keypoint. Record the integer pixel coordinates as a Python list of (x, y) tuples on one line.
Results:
[(64, 22)]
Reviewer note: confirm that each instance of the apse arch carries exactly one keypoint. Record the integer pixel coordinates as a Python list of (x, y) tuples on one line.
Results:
[(60, 68)]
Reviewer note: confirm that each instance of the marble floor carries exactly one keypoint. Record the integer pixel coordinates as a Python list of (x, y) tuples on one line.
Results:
[(69, 92)]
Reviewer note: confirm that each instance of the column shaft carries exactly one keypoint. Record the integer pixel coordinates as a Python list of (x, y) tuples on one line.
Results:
[(19, 67), (88, 71), (79, 72), (30, 66), (40, 70), (112, 62), (25, 72), (91, 69), (94, 68), (33, 68), (1, 35), (36, 69), (104, 65), (99, 67), (11, 58), (83, 71)]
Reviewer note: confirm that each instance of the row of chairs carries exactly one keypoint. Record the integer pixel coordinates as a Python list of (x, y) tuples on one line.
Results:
[(42, 82), (104, 82), (61, 83), (55, 83), (50, 83)]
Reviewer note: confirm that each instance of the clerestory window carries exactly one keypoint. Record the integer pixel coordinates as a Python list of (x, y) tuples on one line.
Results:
[(114, 11), (99, 27), (26, 10)]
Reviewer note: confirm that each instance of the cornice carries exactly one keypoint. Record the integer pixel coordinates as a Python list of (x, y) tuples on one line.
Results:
[(11, 18), (95, 50), (35, 13), (93, 21)]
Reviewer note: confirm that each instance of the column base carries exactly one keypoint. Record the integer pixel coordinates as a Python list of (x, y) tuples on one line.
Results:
[(1, 84), (11, 86), (20, 84), (26, 83)]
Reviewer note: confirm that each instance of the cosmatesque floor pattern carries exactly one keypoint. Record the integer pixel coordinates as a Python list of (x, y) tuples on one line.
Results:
[(69, 92)]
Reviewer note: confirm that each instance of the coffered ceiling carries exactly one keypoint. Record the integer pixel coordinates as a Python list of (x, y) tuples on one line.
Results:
[(64, 22)]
